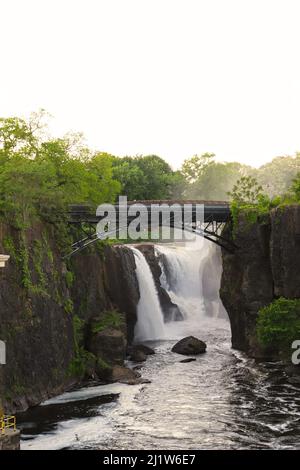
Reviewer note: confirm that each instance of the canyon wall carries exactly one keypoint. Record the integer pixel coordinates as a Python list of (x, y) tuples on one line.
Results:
[(52, 311), (265, 266)]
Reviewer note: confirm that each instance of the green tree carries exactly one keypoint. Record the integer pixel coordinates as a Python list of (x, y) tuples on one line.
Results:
[(216, 181), (246, 191), (193, 168), (277, 176)]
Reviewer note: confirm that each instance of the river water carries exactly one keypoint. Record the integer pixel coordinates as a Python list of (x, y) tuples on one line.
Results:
[(222, 400)]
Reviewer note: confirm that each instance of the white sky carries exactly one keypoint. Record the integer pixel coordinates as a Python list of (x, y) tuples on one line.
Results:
[(170, 77)]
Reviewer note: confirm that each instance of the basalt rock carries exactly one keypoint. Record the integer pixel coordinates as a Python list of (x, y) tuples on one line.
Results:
[(124, 374), (140, 347), (138, 356), (189, 346), (47, 309), (109, 345), (122, 284), (265, 266)]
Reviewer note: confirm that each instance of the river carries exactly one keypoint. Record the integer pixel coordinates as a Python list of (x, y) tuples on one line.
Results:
[(222, 400)]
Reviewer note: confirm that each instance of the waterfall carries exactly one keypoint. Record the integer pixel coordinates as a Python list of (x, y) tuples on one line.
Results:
[(150, 320), (182, 277)]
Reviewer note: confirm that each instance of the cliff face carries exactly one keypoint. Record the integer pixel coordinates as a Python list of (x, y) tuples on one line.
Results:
[(47, 307), (265, 267)]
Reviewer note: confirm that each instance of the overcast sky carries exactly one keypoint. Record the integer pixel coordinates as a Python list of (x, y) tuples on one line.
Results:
[(170, 77)]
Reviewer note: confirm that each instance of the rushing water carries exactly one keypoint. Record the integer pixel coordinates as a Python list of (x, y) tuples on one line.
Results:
[(150, 319), (223, 400)]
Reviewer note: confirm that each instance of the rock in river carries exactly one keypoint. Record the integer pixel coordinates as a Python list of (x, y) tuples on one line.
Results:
[(189, 345), (139, 352)]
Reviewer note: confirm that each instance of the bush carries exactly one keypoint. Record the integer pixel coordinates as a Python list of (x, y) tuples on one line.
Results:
[(109, 319), (278, 324)]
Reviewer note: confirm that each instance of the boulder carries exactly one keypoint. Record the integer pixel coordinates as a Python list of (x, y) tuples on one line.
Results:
[(108, 344), (138, 356), (141, 347), (189, 345), (124, 375)]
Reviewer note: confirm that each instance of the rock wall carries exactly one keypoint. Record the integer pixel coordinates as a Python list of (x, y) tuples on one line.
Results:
[(265, 267), (44, 301)]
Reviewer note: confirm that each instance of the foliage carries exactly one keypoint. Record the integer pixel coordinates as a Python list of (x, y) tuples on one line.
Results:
[(109, 319), (295, 187), (278, 324), (193, 168), (215, 181), (38, 176), (276, 176), (246, 191), (144, 177), (80, 363), (69, 279), (78, 330)]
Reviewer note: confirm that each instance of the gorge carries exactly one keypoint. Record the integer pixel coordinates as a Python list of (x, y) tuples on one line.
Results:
[(85, 314)]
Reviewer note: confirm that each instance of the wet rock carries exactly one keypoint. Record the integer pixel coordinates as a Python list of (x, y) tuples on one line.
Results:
[(189, 345), (137, 381), (138, 356), (108, 344), (141, 347), (124, 374), (189, 359)]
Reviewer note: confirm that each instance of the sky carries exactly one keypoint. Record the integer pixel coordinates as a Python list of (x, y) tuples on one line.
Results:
[(168, 77)]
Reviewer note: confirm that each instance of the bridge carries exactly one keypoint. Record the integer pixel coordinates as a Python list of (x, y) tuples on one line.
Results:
[(214, 216)]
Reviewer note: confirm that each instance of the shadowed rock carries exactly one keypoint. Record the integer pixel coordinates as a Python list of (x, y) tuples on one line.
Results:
[(138, 356), (189, 345)]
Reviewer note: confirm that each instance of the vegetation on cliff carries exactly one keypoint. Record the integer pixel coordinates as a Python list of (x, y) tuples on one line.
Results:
[(278, 324)]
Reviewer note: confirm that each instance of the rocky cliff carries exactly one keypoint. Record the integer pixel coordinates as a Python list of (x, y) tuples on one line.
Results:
[(264, 267), (51, 311)]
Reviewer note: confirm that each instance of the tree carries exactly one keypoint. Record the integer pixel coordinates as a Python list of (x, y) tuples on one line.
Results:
[(41, 176), (246, 191), (215, 181), (144, 177), (277, 176), (192, 168)]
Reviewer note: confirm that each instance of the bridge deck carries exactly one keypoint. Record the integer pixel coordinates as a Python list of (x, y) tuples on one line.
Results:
[(217, 211)]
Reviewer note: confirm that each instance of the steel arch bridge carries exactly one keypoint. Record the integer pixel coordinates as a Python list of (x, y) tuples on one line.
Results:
[(214, 217)]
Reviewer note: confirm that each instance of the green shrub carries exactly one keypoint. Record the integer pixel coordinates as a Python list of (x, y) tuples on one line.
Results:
[(278, 324), (110, 318), (80, 363), (69, 279)]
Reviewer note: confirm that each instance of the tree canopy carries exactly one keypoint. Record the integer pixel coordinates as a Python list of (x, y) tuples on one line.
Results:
[(40, 174)]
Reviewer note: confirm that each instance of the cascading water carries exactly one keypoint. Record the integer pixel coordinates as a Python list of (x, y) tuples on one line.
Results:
[(181, 276), (221, 400), (150, 321)]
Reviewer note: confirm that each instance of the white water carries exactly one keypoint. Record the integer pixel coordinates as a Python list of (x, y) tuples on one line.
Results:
[(181, 277), (150, 321), (223, 400)]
